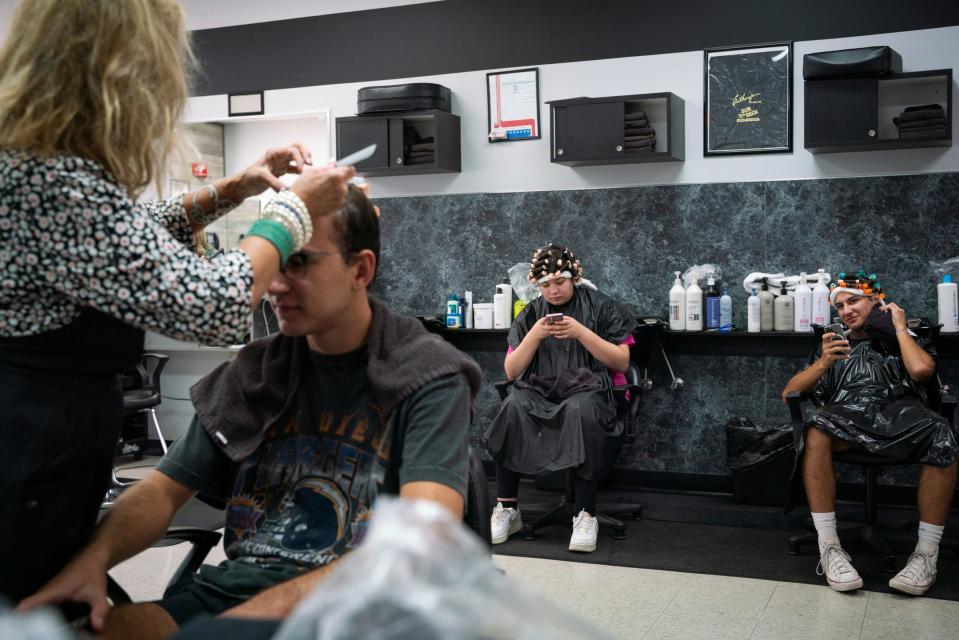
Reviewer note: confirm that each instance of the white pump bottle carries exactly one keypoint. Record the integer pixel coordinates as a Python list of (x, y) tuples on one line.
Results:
[(677, 305)]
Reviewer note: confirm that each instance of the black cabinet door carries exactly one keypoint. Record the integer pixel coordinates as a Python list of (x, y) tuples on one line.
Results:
[(584, 131), (841, 111), (353, 135)]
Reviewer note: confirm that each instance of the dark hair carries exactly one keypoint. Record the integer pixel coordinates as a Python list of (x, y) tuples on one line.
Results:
[(553, 259), (356, 226)]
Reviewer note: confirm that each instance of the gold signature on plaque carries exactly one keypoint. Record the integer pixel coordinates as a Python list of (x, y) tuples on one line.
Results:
[(749, 98)]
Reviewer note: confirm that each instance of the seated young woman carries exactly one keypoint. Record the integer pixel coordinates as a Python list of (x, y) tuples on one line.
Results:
[(563, 348)]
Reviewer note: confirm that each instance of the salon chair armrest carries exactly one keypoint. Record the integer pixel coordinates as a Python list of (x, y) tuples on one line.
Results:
[(202, 541), (502, 388), (797, 413)]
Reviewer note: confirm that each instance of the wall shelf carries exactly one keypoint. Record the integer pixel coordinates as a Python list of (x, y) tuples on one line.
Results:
[(591, 131), (856, 113), (391, 134)]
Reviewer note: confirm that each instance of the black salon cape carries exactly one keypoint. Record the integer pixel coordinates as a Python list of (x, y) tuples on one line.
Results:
[(869, 401), (561, 412)]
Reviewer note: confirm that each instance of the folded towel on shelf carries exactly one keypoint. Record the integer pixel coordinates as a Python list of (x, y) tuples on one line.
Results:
[(933, 133), (922, 114), (915, 124), (639, 131), (640, 149), (640, 144), (635, 115), (423, 146), (423, 160), (421, 154), (651, 136)]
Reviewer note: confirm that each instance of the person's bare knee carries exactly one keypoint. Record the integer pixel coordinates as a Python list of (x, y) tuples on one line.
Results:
[(818, 442), (142, 621)]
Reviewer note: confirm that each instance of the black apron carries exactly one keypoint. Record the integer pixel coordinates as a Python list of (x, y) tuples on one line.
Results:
[(61, 411)]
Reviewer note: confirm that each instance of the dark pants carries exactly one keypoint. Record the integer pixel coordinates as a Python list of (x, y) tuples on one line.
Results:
[(57, 440)]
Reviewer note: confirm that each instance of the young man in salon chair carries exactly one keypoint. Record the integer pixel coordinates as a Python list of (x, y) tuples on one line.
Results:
[(866, 388), (299, 434)]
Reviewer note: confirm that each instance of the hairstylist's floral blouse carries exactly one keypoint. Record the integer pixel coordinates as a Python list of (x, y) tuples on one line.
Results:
[(70, 237)]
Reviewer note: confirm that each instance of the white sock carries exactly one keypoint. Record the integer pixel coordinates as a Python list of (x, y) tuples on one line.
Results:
[(929, 537), (825, 524)]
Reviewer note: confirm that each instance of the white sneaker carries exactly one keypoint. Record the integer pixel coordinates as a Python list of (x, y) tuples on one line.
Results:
[(585, 529), (835, 564), (504, 523), (917, 576)]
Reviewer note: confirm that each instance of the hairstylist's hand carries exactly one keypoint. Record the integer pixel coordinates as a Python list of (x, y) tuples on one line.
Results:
[(83, 580), (898, 315), (834, 349), (323, 190), (265, 173), (568, 329)]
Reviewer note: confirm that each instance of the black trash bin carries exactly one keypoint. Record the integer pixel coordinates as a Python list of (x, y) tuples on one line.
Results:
[(760, 455)]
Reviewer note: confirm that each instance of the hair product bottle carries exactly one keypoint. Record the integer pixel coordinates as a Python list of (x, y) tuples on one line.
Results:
[(766, 315), (725, 312), (694, 307), (752, 313), (802, 298), (712, 303), (677, 305), (948, 305), (783, 311), (820, 301)]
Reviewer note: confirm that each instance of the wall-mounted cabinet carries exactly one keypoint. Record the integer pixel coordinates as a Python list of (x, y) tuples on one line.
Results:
[(616, 130), (856, 114), (406, 143)]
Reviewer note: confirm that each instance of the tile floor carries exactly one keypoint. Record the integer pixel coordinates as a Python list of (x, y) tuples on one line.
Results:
[(658, 605)]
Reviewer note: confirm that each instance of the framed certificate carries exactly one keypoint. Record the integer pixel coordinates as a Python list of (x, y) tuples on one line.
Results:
[(512, 99), (748, 100)]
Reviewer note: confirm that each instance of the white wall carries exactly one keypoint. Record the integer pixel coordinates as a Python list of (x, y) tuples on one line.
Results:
[(525, 166)]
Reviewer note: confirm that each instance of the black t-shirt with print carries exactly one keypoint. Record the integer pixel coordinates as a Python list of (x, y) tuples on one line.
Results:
[(304, 497)]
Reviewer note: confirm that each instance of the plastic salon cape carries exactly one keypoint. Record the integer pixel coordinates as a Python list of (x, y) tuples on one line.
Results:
[(870, 401), (561, 412)]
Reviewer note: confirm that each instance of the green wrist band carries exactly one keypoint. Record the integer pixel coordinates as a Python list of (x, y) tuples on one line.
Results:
[(275, 232)]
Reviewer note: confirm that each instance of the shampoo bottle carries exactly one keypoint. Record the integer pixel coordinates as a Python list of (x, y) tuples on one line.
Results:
[(948, 305), (725, 312), (454, 319), (677, 306), (803, 301), (766, 308), (694, 307), (820, 301), (752, 313), (783, 311)]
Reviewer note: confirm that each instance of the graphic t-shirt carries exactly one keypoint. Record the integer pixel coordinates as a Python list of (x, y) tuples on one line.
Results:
[(305, 496)]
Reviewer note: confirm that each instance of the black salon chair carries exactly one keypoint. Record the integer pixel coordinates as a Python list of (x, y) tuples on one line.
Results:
[(873, 533), (141, 394), (608, 513)]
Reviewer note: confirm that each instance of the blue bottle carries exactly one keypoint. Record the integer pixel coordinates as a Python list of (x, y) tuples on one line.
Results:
[(712, 303), (454, 318)]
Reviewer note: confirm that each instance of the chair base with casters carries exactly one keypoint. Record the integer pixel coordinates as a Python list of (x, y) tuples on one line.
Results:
[(627, 405), (565, 512), (141, 394)]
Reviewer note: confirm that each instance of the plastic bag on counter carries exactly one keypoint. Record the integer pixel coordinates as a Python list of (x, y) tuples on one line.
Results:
[(700, 273), (946, 267), (421, 575), (749, 445), (522, 287)]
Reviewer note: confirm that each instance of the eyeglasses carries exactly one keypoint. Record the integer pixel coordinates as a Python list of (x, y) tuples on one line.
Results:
[(298, 263)]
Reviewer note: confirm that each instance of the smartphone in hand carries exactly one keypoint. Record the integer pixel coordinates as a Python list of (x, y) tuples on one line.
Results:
[(553, 318), (838, 331)]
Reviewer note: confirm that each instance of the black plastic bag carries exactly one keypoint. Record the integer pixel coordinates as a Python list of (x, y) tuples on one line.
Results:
[(749, 445)]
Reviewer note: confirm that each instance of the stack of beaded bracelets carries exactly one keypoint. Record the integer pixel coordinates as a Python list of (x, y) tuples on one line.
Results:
[(286, 223)]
